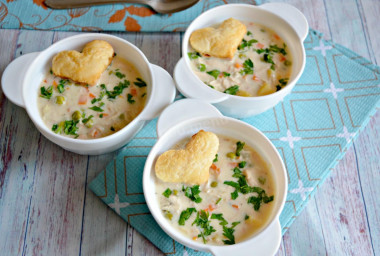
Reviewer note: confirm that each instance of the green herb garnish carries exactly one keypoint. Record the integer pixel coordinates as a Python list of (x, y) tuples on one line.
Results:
[(130, 98), (219, 216), (140, 83), (261, 198), (203, 222), (246, 217), (239, 147), (112, 128), (249, 33), (119, 75), (202, 67), (192, 193), (215, 159), (85, 120), (101, 95), (185, 215), (246, 43), (215, 73), (117, 90), (247, 67), (217, 201), (242, 164), (97, 109), (46, 93), (226, 74), (193, 55), (229, 233), (167, 193), (101, 115), (232, 90), (143, 95)]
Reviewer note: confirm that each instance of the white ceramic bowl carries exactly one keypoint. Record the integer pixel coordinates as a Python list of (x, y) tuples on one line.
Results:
[(22, 78), (186, 117), (288, 22)]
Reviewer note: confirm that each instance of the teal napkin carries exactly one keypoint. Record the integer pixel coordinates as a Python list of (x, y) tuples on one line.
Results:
[(112, 17), (311, 128)]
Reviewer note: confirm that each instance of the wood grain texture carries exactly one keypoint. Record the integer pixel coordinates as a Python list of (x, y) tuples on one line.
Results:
[(47, 209)]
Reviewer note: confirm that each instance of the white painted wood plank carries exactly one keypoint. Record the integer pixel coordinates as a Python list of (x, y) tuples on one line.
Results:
[(369, 13), (104, 232), (19, 145), (367, 148)]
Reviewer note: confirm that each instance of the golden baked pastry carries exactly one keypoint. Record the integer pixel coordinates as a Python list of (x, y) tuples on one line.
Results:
[(221, 42), (85, 67), (192, 164)]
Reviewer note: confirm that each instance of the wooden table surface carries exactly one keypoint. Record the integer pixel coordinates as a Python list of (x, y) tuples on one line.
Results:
[(46, 207)]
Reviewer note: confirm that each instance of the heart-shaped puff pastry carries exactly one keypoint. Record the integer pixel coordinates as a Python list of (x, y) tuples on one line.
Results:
[(192, 164), (85, 67), (221, 42)]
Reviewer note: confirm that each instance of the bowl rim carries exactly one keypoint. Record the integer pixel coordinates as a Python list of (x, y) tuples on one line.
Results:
[(177, 235), (41, 60), (287, 89)]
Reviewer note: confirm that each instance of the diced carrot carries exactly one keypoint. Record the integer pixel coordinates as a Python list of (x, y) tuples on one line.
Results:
[(233, 164), (235, 206), (94, 133), (238, 65), (207, 55), (260, 45), (282, 58), (133, 91), (55, 83), (255, 78), (210, 208), (92, 96), (82, 99), (276, 36), (45, 81), (215, 169), (105, 114), (194, 238)]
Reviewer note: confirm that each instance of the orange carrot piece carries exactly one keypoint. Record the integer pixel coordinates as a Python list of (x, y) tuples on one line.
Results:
[(255, 78), (92, 96), (105, 114), (260, 45), (55, 83), (238, 65), (235, 206), (276, 36), (82, 100), (133, 91), (194, 238), (282, 58)]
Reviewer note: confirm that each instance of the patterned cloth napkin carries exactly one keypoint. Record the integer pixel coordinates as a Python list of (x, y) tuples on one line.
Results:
[(311, 128), (113, 17)]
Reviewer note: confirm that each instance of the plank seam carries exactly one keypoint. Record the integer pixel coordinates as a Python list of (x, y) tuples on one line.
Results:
[(365, 205), (84, 207)]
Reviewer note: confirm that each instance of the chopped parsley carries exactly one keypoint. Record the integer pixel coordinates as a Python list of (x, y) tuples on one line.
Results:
[(192, 193), (61, 85), (119, 75), (268, 59), (246, 217), (85, 120), (242, 164), (247, 67), (217, 201), (98, 108), (229, 233), (226, 74), (215, 159), (130, 98), (101, 95), (202, 67), (193, 55), (239, 147), (261, 198), (140, 83), (219, 216), (112, 128), (215, 73), (202, 221), (46, 93), (101, 115), (185, 215), (246, 43), (51, 71), (69, 127), (249, 33), (167, 193), (143, 95), (232, 90), (283, 82), (117, 90)]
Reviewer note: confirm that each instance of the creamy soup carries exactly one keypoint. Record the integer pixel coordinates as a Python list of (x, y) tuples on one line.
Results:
[(88, 112), (261, 65), (232, 206)]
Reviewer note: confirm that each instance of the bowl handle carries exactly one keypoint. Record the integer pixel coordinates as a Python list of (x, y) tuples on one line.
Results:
[(13, 78), (291, 14), (190, 87), (164, 93), (183, 110), (266, 244)]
